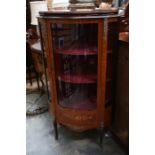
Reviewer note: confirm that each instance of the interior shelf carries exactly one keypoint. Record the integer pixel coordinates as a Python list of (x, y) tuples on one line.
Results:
[(78, 49), (78, 79), (86, 104)]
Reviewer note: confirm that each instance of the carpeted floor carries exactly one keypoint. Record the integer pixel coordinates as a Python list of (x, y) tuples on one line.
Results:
[(36, 100)]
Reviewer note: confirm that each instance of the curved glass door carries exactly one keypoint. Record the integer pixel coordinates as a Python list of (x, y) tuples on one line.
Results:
[(75, 48)]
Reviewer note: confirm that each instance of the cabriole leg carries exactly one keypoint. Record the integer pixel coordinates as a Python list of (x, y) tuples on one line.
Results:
[(101, 134), (55, 129)]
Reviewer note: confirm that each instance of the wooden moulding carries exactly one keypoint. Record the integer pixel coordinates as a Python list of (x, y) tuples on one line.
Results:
[(107, 116)]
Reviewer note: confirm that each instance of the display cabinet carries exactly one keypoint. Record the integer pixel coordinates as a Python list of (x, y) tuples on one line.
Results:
[(80, 48)]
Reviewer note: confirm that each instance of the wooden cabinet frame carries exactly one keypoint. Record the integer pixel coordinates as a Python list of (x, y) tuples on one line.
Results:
[(85, 119)]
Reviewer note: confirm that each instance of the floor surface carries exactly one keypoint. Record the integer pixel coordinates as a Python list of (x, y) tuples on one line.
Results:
[(41, 141)]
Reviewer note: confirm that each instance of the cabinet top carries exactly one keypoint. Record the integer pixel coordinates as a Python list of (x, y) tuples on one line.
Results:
[(79, 14)]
